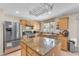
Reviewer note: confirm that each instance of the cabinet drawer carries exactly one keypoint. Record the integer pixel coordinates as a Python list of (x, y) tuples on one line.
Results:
[(28, 54), (23, 49), (23, 46), (31, 52), (23, 52)]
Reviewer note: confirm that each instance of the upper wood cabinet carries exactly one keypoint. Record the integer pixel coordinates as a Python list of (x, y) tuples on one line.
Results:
[(24, 22), (63, 23), (36, 24)]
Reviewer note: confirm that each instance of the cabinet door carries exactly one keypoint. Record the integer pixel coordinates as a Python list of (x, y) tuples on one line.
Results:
[(63, 41), (24, 22), (63, 23), (36, 25), (23, 52), (23, 49), (31, 52)]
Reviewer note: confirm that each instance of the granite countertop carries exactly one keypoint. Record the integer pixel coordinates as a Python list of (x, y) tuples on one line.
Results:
[(42, 45)]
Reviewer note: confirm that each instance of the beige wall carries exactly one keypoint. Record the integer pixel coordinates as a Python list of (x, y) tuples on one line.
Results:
[(73, 27)]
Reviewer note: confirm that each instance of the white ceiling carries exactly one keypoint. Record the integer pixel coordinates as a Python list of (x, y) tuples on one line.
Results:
[(23, 8)]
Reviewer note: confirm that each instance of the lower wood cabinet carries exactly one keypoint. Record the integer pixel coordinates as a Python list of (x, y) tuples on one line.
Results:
[(23, 49), (31, 52), (23, 52), (26, 51), (64, 42)]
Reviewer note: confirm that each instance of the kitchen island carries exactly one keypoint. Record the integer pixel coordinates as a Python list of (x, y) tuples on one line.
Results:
[(40, 46)]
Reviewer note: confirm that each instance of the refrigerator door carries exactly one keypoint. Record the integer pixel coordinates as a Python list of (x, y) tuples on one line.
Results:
[(16, 31), (7, 27), (17, 25)]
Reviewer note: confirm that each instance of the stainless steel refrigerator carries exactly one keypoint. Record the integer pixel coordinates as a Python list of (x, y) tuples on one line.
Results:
[(11, 36)]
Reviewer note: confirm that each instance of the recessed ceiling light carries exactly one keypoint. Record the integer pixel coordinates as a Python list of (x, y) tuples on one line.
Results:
[(49, 12), (17, 12)]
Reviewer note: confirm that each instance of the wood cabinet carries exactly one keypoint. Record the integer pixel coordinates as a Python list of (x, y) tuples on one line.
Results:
[(64, 41), (57, 50), (30, 52), (63, 23), (36, 24), (26, 51), (24, 22), (23, 49)]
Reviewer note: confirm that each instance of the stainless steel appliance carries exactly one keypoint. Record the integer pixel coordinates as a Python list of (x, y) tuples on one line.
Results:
[(11, 36)]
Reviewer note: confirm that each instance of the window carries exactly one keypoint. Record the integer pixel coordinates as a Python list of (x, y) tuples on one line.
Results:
[(49, 27)]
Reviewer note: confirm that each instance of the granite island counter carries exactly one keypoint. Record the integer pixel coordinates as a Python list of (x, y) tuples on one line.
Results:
[(40, 46)]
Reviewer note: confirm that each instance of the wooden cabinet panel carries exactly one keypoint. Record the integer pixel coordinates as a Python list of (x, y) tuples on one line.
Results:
[(23, 52), (26, 51), (63, 23), (63, 41), (23, 45), (64, 45), (31, 52), (57, 50), (36, 24), (24, 22), (23, 49)]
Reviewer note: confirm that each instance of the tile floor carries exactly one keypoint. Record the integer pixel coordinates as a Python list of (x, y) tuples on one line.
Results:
[(18, 53)]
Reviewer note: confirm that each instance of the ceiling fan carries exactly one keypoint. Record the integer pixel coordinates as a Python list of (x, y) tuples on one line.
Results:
[(42, 9)]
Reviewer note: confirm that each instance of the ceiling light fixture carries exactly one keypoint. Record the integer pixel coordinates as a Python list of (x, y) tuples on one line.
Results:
[(49, 13), (42, 9), (17, 12)]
